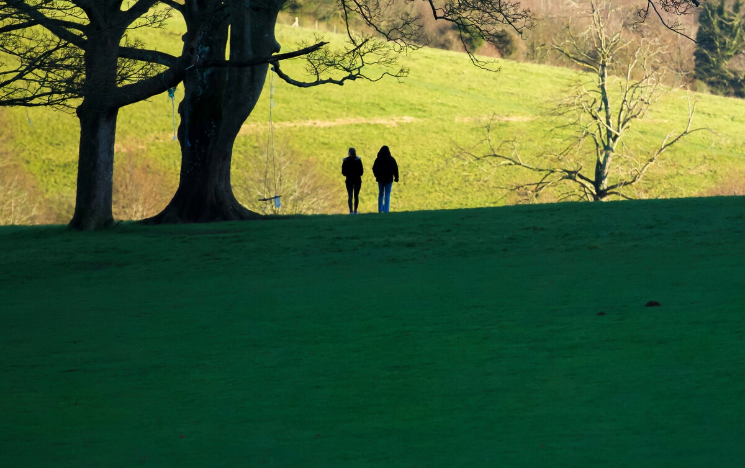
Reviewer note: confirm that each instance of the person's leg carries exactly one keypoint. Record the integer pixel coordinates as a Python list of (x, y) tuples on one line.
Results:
[(381, 194), (357, 188), (350, 192), (388, 188)]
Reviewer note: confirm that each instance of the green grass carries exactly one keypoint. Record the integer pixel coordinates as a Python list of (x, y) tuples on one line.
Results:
[(445, 95), (432, 338)]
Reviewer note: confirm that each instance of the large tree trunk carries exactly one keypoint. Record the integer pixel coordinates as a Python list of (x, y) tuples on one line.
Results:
[(97, 134), (95, 169), (216, 104), (205, 193)]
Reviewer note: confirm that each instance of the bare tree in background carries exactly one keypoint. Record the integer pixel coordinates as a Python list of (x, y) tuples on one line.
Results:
[(15, 206), (611, 96)]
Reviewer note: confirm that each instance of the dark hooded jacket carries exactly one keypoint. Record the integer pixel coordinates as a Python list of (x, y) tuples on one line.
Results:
[(385, 167), (352, 169)]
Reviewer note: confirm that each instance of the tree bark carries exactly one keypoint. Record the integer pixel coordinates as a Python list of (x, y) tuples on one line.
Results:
[(205, 192), (217, 102), (602, 170), (97, 134), (95, 169)]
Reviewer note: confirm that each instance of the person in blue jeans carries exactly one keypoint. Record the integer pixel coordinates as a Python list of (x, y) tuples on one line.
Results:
[(385, 170)]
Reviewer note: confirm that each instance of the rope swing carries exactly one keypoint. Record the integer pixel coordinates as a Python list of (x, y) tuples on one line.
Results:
[(270, 149)]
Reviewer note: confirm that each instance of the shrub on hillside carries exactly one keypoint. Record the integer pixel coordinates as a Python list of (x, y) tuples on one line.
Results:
[(140, 191), (17, 205), (732, 184), (299, 181)]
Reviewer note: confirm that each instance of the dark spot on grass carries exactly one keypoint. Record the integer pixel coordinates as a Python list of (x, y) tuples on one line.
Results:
[(204, 233), (601, 313), (652, 304)]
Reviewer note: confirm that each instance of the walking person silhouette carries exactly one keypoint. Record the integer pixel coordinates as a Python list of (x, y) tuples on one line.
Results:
[(386, 171), (352, 169)]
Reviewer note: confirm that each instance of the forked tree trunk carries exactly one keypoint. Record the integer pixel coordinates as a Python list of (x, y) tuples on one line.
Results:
[(217, 102), (205, 193)]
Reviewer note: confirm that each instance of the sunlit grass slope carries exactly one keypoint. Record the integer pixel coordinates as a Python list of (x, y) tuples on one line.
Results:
[(444, 103), (435, 338)]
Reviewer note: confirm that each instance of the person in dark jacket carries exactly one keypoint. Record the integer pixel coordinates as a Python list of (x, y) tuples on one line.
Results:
[(352, 169), (386, 171)]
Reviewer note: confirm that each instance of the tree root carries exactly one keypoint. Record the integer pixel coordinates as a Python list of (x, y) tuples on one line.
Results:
[(190, 209)]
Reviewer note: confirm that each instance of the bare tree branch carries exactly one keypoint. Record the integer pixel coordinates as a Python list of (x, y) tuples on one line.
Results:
[(34, 16), (318, 82), (176, 6), (677, 7), (349, 62), (147, 55)]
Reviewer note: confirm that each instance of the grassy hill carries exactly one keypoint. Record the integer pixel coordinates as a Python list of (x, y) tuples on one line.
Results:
[(511, 336), (442, 104)]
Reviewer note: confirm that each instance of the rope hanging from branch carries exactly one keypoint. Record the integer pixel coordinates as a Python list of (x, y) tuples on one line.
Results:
[(270, 149), (172, 97)]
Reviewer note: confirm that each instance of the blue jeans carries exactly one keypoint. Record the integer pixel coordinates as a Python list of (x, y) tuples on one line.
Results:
[(384, 197)]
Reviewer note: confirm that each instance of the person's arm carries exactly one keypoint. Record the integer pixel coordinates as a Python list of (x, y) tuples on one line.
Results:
[(362, 168), (344, 168), (395, 170)]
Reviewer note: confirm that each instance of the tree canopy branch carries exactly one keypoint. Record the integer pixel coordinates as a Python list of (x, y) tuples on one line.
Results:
[(59, 28), (138, 10), (259, 61), (303, 84), (146, 55), (176, 6)]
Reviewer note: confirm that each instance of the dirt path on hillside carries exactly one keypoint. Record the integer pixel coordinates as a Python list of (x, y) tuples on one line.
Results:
[(252, 128), (134, 144), (496, 118), (389, 122)]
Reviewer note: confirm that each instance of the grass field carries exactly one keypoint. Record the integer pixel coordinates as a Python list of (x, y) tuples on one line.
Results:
[(433, 338), (444, 103)]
